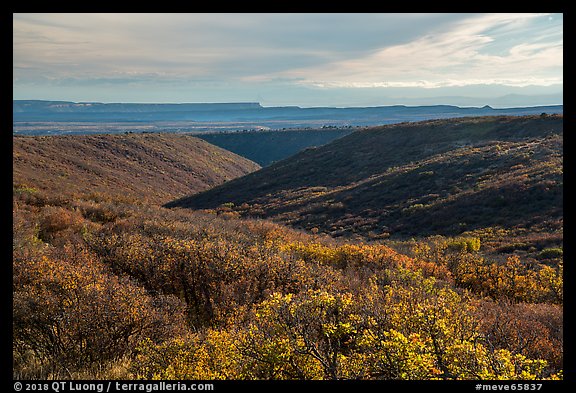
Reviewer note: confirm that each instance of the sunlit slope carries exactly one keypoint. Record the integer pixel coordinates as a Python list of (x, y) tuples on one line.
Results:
[(155, 167)]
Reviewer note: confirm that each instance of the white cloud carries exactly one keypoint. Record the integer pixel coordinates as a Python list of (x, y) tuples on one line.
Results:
[(457, 57), (232, 53), (224, 46)]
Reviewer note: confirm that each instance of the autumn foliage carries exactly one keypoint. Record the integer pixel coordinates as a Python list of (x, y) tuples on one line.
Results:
[(154, 293)]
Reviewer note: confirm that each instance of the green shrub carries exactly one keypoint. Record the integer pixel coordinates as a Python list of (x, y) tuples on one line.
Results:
[(549, 253), (22, 188), (464, 244)]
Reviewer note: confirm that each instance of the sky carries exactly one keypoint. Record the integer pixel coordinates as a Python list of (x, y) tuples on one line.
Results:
[(308, 60)]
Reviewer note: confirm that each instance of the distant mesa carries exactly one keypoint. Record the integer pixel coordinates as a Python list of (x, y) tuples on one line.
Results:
[(39, 106), (242, 112)]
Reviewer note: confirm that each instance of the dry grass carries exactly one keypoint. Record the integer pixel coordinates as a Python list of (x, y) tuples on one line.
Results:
[(153, 167)]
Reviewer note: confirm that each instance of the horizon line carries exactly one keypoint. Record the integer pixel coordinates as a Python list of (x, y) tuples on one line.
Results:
[(288, 106)]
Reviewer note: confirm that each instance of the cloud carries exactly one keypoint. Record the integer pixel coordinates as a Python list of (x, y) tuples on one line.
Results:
[(226, 46), (456, 57), (269, 53)]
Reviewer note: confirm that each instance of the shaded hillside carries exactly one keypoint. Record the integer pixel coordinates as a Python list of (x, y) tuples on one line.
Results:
[(154, 167), (106, 287), (266, 147), (438, 176)]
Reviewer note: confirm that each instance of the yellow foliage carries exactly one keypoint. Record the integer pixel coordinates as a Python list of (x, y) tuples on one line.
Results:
[(199, 296)]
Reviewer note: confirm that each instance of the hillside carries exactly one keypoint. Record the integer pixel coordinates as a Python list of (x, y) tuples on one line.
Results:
[(153, 167), (424, 178), (108, 286), (266, 147)]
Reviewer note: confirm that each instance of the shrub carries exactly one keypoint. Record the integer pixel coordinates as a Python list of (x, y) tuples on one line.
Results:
[(24, 189), (413, 208), (466, 244), (209, 356), (512, 280), (311, 335), (267, 302), (551, 253), (72, 314), (54, 220), (534, 330)]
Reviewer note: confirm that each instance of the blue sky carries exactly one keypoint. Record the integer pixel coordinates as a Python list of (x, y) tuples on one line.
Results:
[(291, 59)]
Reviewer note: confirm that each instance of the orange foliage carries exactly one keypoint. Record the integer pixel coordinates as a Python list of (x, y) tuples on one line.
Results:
[(195, 295)]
